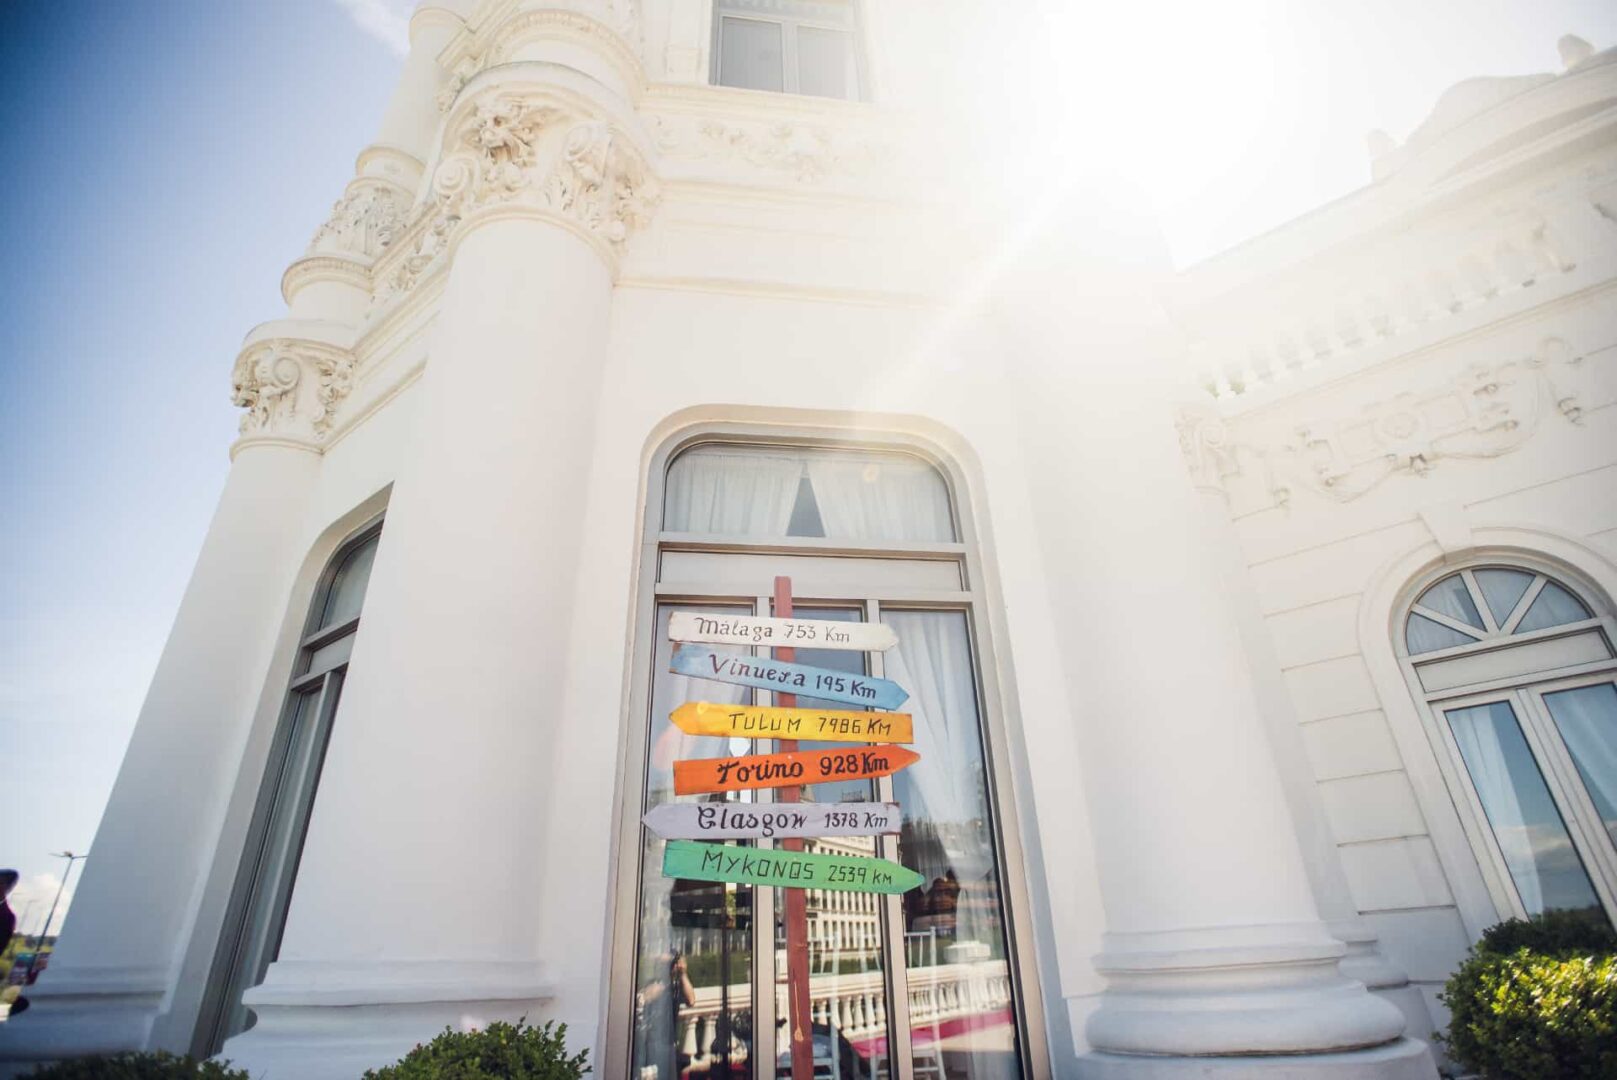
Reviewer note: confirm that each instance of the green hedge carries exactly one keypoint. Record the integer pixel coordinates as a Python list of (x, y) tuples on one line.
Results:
[(158, 1066), (1537, 1000), (500, 1051)]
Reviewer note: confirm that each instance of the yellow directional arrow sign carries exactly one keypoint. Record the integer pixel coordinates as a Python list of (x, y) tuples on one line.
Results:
[(768, 722)]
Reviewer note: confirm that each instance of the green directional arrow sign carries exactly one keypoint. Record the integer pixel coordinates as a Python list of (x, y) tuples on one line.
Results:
[(788, 869)]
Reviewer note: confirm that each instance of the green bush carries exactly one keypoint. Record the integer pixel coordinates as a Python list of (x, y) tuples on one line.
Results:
[(498, 1052), (1537, 1001), (158, 1066)]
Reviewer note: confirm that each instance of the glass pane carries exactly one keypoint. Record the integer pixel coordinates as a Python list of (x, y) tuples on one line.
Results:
[(1502, 589), (858, 495), (693, 1001), (805, 519), (292, 780), (1546, 868), (845, 958), (824, 62), (962, 1018), (1553, 607), (1450, 597), (1587, 720), (347, 593), (1424, 635), (750, 54)]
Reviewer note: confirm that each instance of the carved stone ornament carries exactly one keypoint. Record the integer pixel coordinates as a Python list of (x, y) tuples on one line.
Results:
[(363, 222), (514, 152), (1485, 411), (808, 153), (291, 389), (1204, 440)]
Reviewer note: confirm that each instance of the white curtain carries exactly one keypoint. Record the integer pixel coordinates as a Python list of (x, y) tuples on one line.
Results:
[(731, 493), (944, 801), (1587, 720), (868, 497), (1477, 733)]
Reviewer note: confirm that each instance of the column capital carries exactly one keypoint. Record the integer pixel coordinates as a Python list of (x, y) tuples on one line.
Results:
[(291, 389), (548, 151)]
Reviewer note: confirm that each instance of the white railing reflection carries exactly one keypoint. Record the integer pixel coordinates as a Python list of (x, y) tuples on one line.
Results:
[(849, 1006)]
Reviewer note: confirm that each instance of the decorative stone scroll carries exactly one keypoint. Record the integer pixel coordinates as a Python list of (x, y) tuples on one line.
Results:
[(291, 389), (526, 151), (1483, 411), (368, 218)]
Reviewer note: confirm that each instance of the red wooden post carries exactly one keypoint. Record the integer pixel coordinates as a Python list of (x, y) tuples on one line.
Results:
[(798, 1014)]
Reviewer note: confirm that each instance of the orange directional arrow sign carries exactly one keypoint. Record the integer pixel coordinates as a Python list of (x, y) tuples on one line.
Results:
[(769, 722), (701, 775)]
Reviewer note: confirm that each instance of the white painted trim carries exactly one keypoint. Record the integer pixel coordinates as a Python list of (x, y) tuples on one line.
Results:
[(1387, 595)]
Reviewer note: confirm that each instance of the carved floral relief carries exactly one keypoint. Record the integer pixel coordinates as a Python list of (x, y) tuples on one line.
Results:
[(514, 151), (1485, 411), (362, 223), (291, 389)]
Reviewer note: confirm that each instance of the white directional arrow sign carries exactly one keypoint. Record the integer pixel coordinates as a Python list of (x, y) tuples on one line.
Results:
[(799, 633), (754, 821)]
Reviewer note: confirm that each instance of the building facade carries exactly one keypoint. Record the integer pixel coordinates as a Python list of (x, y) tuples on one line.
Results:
[(1257, 619)]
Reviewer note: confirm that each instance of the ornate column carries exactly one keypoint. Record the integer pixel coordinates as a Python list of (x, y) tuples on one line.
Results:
[(111, 986), (1217, 960), (416, 901)]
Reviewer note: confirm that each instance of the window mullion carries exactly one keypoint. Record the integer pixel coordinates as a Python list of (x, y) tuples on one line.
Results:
[(763, 922), (1480, 602), (788, 56), (1525, 604), (1450, 622), (900, 1052)]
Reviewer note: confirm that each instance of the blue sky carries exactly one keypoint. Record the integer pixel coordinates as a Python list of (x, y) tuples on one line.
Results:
[(165, 160)]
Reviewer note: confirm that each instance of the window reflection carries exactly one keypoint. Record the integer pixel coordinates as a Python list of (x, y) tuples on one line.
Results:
[(962, 1023), (1532, 837), (693, 999), (1587, 720)]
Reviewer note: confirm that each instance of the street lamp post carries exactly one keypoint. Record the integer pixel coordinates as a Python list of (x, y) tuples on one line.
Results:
[(39, 941)]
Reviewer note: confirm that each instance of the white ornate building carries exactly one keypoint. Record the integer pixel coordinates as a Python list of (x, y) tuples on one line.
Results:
[(633, 305)]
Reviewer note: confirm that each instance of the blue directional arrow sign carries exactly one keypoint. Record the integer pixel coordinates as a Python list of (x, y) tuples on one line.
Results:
[(786, 678)]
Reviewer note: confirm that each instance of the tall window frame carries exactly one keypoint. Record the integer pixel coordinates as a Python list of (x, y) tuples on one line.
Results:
[(967, 597), (266, 874), (1489, 666), (795, 24)]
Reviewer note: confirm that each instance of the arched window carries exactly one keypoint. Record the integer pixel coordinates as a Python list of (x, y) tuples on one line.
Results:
[(1519, 678), (928, 984), (269, 864)]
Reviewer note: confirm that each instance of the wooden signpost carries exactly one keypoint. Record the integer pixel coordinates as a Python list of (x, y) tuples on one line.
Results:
[(788, 820), (768, 722), (698, 776), (804, 633), (772, 821), (795, 869), (787, 678)]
